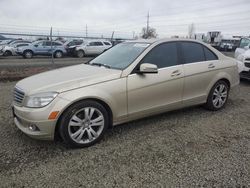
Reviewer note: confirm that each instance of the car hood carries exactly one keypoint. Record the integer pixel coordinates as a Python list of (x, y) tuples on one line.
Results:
[(64, 79)]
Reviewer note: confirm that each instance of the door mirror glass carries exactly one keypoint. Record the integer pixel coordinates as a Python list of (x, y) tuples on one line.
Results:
[(147, 68)]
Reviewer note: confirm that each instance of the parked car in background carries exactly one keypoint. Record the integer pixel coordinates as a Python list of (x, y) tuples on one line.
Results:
[(42, 48), (226, 45), (242, 54), (130, 81), (71, 45), (92, 48), (10, 50)]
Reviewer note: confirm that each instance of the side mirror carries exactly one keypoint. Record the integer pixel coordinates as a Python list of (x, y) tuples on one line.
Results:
[(246, 47), (36, 45), (147, 68)]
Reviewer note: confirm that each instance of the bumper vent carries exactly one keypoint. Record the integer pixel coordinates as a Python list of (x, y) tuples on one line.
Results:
[(247, 65), (18, 96)]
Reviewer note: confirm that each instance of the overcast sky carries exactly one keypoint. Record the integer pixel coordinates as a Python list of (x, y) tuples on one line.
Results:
[(169, 17)]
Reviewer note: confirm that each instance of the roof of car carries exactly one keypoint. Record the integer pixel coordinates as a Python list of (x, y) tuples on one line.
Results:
[(151, 41)]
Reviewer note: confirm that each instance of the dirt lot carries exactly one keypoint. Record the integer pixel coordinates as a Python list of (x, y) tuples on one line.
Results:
[(186, 148)]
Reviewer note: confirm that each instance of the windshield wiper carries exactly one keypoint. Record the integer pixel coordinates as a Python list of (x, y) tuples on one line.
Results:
[(100, 65)]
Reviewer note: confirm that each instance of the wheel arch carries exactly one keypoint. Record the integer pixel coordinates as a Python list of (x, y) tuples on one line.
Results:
[(28, 50), (103, 103), (8, 51), (221, 76)]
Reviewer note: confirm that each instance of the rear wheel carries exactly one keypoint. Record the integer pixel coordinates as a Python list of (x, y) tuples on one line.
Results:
[(7, 53), (58, 54), (83, 124), (28, 54), (80, 53), (218, 96)]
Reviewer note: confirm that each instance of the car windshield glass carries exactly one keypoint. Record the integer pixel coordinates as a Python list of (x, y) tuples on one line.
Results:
[(120, 56)]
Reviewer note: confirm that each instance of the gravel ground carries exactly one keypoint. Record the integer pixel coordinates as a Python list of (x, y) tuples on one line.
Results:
[(186, 148)]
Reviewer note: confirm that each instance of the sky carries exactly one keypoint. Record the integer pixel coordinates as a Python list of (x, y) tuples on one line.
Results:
[(125, 17)]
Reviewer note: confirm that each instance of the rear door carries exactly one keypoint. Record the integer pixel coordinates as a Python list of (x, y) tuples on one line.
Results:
[(150, 93), (200, 65)]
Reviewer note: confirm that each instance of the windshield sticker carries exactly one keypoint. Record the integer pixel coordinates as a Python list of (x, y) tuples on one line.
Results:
[(141, 45)]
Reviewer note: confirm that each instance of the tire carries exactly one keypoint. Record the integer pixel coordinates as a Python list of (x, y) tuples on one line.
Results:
[(80, 53), (7, 53), (28, 54), (58, 54), (218, 96), (79, 130)]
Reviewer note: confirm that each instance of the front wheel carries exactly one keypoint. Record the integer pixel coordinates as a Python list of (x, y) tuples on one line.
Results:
[(218, 96), (83, 124), (28, 54)]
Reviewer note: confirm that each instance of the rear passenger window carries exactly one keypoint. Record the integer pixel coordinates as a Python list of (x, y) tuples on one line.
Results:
[(164, 55), (209, 54), (192, 52)]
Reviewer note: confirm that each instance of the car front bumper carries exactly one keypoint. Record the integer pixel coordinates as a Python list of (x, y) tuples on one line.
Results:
[(42, 130)]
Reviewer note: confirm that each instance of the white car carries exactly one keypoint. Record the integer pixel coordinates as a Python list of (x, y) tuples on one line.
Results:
[(92, 48), (242, 54), (10, 50)]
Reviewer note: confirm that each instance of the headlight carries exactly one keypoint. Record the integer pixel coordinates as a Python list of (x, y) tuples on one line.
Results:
[(40, 100)]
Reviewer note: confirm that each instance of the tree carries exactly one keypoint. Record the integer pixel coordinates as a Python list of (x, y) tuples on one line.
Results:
[(191, 30), (150, 33)]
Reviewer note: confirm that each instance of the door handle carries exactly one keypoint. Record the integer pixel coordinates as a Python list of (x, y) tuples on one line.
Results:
[(176, 73), (211, 66)]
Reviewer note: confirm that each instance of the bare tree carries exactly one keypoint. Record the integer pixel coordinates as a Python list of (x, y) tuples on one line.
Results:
[(148, 33), (191, 30)]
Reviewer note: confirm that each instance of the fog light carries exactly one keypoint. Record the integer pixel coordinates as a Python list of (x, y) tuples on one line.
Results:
[(33, 128)]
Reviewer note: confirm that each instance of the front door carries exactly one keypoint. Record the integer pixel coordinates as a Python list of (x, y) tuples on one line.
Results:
[(152, 93)]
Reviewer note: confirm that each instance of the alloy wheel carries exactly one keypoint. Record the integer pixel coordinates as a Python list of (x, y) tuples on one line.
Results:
[(220, 95), (86, 125)]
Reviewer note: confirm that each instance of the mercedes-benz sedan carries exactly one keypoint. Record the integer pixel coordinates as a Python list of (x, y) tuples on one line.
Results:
[(130, 81)]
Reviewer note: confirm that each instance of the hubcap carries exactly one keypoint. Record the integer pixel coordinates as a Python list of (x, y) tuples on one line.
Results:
[(58, 54), (220, 96), (28, 54), (86, 125), (80, 54)]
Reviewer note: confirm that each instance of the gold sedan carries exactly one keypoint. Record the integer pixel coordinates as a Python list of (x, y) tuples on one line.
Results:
[(129, 81)]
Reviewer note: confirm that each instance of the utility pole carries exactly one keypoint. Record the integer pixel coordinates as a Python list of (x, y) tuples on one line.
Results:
[(133, 35), (147, 30), (51, 49), (86, 30)]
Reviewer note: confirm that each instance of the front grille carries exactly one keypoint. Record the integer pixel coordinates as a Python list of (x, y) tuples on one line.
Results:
[(247, 59), (18, 96), (247, 65)]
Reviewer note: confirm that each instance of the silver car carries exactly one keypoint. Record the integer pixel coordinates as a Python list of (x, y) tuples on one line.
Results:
[(130, 81), (45, 48), (92, 48)]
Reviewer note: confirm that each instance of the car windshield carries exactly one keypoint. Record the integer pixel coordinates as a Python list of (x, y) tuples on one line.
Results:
[(244, 42), (120, 56)]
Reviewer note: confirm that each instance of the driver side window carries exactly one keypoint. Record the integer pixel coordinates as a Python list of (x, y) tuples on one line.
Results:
[(163, 55)]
